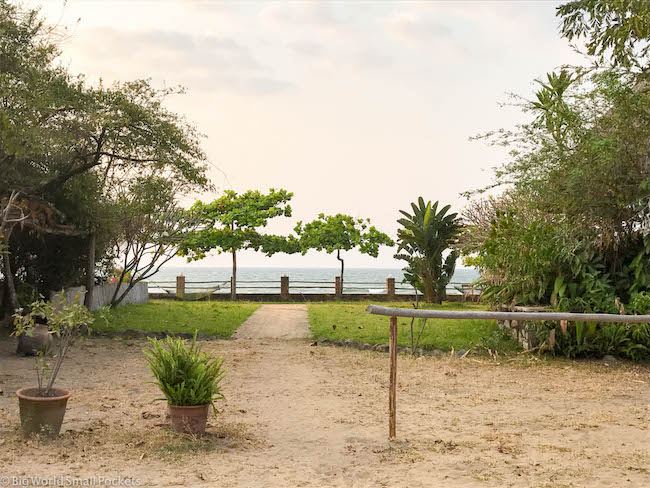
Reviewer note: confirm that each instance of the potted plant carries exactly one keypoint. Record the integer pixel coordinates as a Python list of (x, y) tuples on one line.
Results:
[(42, 408), (189, 379)]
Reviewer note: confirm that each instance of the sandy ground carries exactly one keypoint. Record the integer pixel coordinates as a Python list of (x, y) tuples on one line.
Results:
[(298, 415), (276, 321)]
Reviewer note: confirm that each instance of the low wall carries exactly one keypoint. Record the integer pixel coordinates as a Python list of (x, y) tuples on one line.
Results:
[(312, 297), (103, 294), (522, 331)]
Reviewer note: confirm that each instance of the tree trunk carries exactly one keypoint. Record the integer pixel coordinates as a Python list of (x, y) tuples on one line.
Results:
[(9, 279), (233, 287), (90, 271), (338, 256)]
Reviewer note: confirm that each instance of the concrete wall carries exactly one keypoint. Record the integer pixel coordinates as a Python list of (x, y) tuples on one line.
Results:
[(103, 294)]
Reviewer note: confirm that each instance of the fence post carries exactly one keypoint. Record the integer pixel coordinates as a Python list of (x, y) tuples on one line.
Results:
[(337, 287), (390, 286), (392, 391), (284, 287), (180, 286)]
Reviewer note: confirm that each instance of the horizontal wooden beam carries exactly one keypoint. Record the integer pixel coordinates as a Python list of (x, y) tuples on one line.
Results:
[(536, 316)]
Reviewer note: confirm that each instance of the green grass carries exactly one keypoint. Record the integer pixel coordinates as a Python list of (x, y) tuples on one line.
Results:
[(212, 318), (353, 322)]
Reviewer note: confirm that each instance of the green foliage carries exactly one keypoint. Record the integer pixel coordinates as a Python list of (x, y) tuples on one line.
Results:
[(589, 339), (424, 237), (613, 30), (65, 321), (185, 375), (74, 150), (230, 223), (341, 233)]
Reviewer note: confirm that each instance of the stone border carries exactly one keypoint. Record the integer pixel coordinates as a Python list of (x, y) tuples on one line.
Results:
[(144, 334), (352, 344)]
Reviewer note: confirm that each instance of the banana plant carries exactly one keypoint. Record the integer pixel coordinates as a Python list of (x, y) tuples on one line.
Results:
[(423, 239)]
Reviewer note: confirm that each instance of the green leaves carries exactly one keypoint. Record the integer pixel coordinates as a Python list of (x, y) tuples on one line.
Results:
[(185, 375), (341, 233), (424, 237), (231, 223)]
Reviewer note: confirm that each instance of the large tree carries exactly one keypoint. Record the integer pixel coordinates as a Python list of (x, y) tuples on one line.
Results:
[(424, 238), (69, 148), (231, 223), (338, 233)]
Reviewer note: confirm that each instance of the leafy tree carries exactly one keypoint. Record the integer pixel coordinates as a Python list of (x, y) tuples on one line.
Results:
[(424, 237), (69, 148), (341, 233), (616, 31), (148, 232), (230, 224)]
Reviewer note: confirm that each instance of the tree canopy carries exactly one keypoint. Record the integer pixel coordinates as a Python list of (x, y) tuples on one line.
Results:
[(231, 222), (338, 233), (73, 150)]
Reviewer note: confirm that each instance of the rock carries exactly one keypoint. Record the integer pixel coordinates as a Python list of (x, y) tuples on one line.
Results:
[(132, 333), (202, 337), (382, 347), (365, 347), (323, 340), (349, 343), (610, 359), (40, 340), (461, 353)]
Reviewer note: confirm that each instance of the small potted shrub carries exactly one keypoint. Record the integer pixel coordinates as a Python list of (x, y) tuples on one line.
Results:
[(189, 379), (42, 408)]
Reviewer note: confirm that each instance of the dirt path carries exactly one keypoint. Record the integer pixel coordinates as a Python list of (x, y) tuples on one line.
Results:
[(276, 322), (297, 415)]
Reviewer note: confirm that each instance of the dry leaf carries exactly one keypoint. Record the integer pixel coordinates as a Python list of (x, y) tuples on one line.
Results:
[(551, 339), (563, 325)]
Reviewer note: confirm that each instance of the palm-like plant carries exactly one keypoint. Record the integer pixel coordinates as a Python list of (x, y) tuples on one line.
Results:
[(422, 240)]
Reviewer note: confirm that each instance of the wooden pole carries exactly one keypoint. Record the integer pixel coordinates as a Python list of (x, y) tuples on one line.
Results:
[(392, 391)]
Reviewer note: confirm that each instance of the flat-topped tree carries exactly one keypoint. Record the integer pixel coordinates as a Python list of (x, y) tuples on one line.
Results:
[(230, 224), (341, 233)]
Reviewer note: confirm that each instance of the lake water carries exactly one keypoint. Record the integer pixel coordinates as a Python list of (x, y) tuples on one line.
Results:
[(305, 280)]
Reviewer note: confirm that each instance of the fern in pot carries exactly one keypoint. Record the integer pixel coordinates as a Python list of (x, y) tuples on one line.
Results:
[(42, 408), (188, 378)]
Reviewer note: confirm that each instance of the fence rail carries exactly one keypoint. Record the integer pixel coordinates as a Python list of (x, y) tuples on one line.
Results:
[(393, 313), (304, 287)]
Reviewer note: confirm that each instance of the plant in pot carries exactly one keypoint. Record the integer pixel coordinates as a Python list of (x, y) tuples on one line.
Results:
[(42, 408), (189, 379)]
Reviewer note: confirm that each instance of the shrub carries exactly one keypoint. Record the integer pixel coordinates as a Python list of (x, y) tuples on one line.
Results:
[(186, 375)]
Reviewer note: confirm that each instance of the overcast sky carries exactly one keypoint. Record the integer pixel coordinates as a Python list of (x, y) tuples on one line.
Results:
[(356, 108)]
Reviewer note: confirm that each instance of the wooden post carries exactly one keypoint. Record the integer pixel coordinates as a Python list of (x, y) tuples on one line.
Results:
[(392, 391), (284, 287), (390, 287), (337, 287), (180, 286)]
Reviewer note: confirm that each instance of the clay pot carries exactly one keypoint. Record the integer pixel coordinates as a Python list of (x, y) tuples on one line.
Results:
[(42, 415), (189, 420)]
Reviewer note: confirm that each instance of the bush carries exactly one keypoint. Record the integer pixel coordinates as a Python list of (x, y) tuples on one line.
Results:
[(629, 341), (186, 375)]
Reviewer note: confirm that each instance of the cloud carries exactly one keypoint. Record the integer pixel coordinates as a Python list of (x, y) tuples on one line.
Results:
[(199, 62), (414, 30)]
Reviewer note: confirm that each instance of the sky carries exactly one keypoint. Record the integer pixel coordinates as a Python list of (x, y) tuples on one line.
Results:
[(355, 107)]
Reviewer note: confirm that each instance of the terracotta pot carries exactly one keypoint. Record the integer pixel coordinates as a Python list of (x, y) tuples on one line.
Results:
[(42, 415), (189, 420)]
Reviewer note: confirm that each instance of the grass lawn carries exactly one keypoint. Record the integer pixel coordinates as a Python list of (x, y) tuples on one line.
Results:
[(353, 322), (213, 318)]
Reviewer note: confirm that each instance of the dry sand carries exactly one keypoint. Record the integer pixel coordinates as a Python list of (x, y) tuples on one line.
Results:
[(298, 415)]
